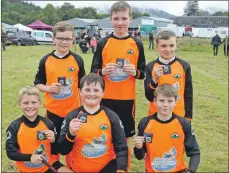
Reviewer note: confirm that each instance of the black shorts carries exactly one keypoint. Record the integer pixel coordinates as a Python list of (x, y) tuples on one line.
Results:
[(57, 165), (111, 167), (126, 112), (57, 121)]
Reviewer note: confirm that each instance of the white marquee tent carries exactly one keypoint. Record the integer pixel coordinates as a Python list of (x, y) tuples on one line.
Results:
[(23, 28)]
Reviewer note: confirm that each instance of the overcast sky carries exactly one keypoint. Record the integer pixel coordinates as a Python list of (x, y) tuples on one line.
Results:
[(172, 7)]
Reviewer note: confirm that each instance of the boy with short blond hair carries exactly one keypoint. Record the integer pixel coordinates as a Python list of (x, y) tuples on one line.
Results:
[(164, 137), (39, 131), (167, 68)]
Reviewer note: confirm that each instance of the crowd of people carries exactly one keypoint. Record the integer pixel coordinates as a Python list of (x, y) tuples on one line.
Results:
[(90, 118)]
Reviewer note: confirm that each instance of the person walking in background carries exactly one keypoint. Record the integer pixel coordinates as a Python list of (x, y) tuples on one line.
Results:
[(3, 40), (216, 41), (225, 45), (151, 44)]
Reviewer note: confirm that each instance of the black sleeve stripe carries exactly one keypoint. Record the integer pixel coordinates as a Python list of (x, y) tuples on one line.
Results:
[(188, 92), (80, 62), (149, 92), (141, 59), (97, 58), (40, 77), (47, 122)]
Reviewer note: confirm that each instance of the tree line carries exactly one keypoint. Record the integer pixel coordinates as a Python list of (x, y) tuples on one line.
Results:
[(25, 12)]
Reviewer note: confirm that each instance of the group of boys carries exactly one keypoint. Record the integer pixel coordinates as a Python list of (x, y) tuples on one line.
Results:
[(90, 118)]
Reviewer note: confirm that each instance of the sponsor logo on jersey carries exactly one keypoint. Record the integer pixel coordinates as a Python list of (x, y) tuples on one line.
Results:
[(65, 91), (96, 148), (165, 163), (8, 135), (192, 131), (40, 151)]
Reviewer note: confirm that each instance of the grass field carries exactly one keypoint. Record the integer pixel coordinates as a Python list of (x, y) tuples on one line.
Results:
[(210, 82)]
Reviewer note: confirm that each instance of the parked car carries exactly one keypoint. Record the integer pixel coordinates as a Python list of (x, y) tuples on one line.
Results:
[(20, 38), (42, 37)]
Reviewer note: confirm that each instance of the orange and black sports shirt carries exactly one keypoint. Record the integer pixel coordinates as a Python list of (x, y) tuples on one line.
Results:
[(180, 78), (97, 142), (22, 143), (119, 85), (170, 140), (70, 67)]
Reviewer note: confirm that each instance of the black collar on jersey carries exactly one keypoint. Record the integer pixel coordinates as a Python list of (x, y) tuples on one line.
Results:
[(95, 113), (159, 62), (123, 38), (164, 122), (64, 57), (29, 123)]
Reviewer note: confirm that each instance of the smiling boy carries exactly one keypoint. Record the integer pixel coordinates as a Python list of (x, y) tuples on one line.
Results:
[(32, 138), (59, 74), (98, 143), (167, 68), (120, 60), (164, 137)]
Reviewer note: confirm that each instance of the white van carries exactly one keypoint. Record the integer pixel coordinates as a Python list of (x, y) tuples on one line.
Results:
[(42, 37)]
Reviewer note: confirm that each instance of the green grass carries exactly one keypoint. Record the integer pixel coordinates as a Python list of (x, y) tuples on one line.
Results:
[(210, 83)]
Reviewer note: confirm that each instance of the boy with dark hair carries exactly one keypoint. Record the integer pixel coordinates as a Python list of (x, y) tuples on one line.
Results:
[(59, 74), (169, 69), (164, 137), (39, 131), (93, 133), (120, 60)]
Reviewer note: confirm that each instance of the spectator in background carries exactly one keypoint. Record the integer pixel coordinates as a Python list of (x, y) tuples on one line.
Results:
[(3, 39), (93, 44), (151, 44), (84, 46), (216, 41), (226, 45)]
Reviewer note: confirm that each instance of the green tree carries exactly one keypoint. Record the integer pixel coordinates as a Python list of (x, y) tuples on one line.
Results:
[(66, 11), (146, 14), (49, 15), (89, 13), (191, 8)]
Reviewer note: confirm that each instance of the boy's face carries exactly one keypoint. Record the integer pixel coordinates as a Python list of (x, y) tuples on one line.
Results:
[(91, 95), (63, 41), (167, 48), (30, 105), (120, 21), (165, 104)]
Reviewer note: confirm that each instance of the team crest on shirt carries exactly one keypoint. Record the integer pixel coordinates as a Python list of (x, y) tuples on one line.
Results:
[(177, 76), (175, 135), (65, 91), (130, 51), (40, 151), (96, 148), (167, 162), (103, 127), (8, 135), (71, 69)]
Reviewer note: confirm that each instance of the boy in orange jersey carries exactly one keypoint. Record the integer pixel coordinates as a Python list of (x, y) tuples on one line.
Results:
[(32, 138), (169, 69), (120, 60), (164, 137), (59, 74), (93, 133)]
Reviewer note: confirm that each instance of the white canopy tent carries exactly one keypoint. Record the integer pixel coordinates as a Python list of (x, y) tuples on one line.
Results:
[(23, 28)]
